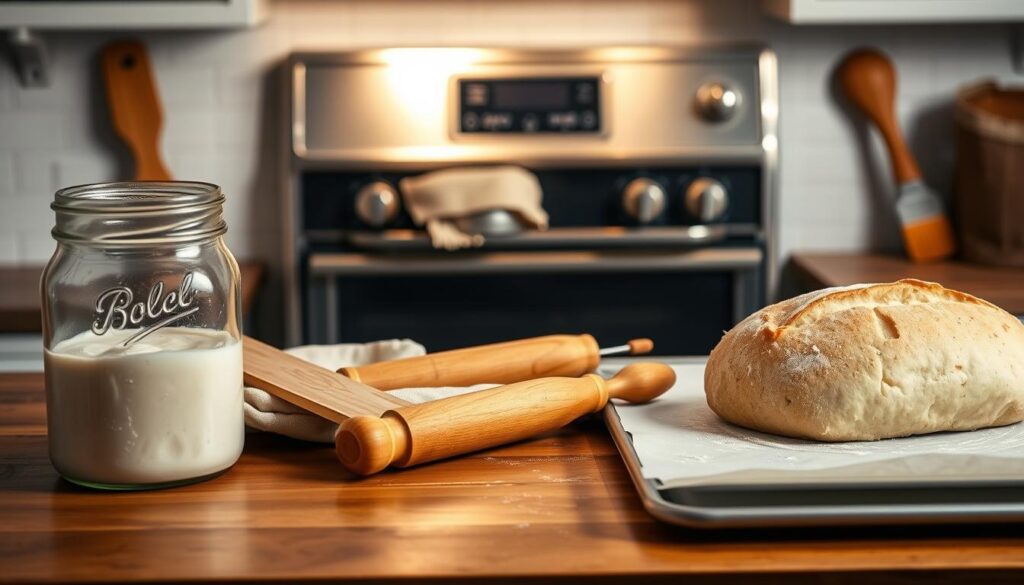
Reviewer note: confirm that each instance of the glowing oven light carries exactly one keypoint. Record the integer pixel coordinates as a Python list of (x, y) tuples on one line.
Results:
[(418, 78)]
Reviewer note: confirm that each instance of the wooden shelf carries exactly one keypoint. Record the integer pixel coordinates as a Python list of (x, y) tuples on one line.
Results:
[(1001, 286)]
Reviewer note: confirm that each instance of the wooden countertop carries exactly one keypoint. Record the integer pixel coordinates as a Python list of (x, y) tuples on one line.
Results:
[(19, 295), (1001, 286), (557, 509)]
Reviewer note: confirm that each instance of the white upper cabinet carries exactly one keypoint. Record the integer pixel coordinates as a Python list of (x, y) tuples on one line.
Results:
[(133, 14), (895, 11)]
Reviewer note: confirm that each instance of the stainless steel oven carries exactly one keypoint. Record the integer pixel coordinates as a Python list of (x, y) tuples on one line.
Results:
[(658, 174)]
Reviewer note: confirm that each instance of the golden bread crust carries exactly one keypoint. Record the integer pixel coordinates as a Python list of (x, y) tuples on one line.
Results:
[(871, 361)]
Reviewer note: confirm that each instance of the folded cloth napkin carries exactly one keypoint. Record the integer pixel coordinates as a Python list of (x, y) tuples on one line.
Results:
[(435, 199), (265, 412)]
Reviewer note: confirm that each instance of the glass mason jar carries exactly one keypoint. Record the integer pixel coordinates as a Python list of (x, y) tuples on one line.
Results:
[(142, 336)]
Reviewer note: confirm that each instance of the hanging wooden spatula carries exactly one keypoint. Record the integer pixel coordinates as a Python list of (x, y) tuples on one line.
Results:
[(379, 430), (135, 106)]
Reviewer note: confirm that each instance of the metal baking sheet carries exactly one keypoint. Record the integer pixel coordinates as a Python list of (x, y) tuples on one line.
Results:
[(692, 468)]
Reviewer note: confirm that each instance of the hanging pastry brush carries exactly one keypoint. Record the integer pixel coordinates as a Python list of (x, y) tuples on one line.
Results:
[(868, 79)]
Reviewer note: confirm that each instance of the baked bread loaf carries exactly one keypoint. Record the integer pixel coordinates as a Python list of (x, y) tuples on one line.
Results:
[(869, 362)]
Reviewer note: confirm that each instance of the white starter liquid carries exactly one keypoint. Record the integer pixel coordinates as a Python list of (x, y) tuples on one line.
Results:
[(166, 408)]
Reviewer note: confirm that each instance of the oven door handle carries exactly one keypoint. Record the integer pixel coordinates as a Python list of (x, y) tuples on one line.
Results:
[(611, 237), (561, 262)]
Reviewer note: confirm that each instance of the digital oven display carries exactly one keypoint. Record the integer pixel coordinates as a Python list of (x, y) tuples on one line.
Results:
[(530, 106), (532, 95)]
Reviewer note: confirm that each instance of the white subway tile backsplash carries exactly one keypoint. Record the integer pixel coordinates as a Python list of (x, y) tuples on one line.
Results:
[(8, 79), (243, 87), (188, 128), (826, 236), (9, 247), (35, 246), (239, 129), (970, 56), (35, 174), (189, 86), (194, 165), (21, 214), (239, 49), (29, 131), (78, 169), (410, 22), (78, 132), (64, 91), (7, 188)]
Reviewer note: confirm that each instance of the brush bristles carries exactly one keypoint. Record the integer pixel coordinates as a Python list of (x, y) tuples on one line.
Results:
[(929, 239)]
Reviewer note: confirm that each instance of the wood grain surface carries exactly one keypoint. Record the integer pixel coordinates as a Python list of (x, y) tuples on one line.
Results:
[(555, 509), (309, 386), (998, 285), (19, 295)]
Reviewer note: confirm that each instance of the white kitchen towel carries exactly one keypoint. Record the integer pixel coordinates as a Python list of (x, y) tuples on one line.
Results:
[(437, 198), (265, 412)]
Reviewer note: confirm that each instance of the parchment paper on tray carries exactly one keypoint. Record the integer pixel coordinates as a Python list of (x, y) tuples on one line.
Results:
[(681, 442)]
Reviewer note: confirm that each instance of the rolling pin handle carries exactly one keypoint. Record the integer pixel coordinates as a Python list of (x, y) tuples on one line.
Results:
[(352, 373), (369, 444)]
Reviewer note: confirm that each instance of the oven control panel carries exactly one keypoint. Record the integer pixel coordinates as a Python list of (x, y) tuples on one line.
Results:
[(535, 105)]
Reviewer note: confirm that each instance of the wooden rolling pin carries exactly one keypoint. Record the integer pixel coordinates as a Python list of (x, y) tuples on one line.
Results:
[(410, 435), (497, 363)]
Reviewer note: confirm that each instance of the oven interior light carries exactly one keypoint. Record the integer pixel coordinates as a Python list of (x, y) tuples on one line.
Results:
[(698, 232)]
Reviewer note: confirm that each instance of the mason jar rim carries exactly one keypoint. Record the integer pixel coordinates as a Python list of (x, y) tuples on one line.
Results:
[(112, 197), (139, 213)]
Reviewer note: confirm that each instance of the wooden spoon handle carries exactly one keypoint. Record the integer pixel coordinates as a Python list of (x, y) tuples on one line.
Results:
[(497, 363), (452, 426), (135, 106), (868, 79)]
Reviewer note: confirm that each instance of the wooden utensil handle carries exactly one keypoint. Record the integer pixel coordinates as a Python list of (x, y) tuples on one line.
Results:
[(452, 426), (469, 422), (497, 363), (868, 79), (135, 106)]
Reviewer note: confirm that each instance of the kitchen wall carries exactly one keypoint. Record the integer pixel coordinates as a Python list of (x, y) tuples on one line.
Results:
[(218, 104)]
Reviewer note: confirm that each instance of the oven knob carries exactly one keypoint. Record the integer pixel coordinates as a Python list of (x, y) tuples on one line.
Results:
[(643, 199), (377, 204), (717, 101), (706, 199)]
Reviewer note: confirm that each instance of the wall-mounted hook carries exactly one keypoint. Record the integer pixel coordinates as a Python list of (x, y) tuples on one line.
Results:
[(30, 58)]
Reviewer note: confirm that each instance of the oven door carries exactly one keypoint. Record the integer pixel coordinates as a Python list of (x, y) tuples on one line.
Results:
[(683, 300)]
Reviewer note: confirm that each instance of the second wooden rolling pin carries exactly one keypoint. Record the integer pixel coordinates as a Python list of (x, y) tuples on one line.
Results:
[(497, 363), (410, 435)]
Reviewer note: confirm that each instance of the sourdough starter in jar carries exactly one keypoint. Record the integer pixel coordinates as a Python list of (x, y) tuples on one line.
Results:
[(165, 407)]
